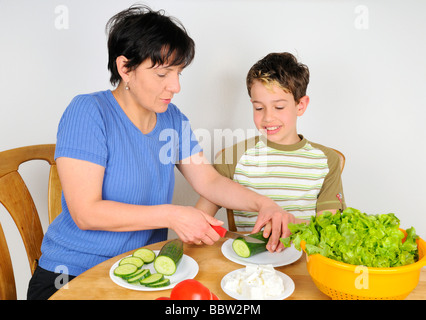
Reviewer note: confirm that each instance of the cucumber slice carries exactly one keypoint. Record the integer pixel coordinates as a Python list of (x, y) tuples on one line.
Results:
[(146, 255), (125, 270), (138, 262), (153, 278), (163, 283), (134, 274), (138, 276)]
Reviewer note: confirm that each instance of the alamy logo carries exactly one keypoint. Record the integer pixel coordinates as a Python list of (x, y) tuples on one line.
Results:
[(61, 281), (62, 21), (362, 21), (184, 145)]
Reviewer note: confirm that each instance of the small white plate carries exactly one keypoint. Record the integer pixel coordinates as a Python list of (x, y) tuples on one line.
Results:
[(187, 269), (276, 259), (287, 281)]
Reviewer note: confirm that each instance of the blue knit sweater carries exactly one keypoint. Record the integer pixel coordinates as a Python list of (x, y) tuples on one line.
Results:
[(139, 169)]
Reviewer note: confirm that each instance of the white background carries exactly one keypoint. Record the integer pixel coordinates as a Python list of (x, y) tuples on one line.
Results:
[(367, 89)]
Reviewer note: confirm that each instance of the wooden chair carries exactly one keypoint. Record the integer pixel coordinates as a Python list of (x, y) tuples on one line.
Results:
[(16, 198), (230, 212)]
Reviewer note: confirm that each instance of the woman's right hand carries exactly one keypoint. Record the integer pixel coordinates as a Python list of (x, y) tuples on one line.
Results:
[(193, 226)]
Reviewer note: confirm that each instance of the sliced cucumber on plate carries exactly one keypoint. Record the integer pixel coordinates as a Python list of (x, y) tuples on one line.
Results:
[(125, 270), (138, 262), (146, 255), (169, 257)]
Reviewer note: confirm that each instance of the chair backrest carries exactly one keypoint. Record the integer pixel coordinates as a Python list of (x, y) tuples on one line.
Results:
[(230, 212), (16, 198)]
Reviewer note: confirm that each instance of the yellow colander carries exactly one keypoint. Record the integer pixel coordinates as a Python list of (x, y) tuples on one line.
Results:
[(342, 281)]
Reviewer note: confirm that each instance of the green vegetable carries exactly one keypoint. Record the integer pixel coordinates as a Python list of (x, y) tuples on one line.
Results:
[(138, 262), (356, 238), (169, 257), (138, 276), (146, 255), (162, 283), (153, 278), (125, 270), (246, 249)]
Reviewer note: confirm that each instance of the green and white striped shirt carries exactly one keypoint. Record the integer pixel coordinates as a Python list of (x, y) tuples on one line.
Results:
[(303, 178)]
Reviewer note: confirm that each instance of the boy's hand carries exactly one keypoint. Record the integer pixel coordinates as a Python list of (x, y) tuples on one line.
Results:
[(275, 221)]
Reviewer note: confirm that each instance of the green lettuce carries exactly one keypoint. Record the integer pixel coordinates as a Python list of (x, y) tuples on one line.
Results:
[(357, 238)]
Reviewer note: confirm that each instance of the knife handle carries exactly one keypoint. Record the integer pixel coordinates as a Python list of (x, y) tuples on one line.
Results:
[(220, 230)]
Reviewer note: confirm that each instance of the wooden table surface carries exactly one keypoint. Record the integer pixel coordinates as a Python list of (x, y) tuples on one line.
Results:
[(95, 283)]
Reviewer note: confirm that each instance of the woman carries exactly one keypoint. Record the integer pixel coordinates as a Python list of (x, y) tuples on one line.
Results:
[(116, 152)]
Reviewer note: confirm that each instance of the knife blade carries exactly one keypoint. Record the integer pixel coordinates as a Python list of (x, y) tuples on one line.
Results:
[(233, 235)]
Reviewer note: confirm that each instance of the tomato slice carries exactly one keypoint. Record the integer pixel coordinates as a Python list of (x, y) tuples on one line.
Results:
[(190, 289)]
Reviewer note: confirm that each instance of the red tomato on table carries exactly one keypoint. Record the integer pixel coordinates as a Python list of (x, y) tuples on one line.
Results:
[(190, 289)]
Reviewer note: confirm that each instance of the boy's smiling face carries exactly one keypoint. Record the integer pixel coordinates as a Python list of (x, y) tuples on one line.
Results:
[(275, 113)]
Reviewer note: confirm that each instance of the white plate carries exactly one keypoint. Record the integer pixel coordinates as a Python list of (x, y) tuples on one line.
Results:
[(276, 259), (287, 281), (187, 269)]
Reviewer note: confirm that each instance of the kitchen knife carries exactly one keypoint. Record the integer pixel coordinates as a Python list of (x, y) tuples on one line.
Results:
[(233, 235)]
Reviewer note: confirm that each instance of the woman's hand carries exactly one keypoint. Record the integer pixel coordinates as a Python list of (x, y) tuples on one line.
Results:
[(193, 225)]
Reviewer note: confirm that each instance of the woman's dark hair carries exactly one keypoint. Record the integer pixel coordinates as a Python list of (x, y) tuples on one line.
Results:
[(139, 33)]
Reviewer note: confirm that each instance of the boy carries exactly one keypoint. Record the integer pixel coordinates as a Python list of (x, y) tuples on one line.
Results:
[(303, 177)]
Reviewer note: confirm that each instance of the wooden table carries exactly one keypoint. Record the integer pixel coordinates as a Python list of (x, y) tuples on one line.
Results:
[(95, 283)]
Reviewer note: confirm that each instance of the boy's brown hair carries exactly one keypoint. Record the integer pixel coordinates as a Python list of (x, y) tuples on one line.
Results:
[(283, 70)]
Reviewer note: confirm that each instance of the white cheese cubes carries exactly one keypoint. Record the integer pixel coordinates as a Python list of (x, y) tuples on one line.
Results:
[(256, 282)]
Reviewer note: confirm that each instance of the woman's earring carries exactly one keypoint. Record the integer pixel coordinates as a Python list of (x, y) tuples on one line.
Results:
[(127, 86)]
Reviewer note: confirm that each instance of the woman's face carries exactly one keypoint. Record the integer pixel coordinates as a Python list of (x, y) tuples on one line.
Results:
[(154, 87)]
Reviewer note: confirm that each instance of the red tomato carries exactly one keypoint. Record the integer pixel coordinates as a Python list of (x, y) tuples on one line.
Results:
[(190, 289), (163, 298), (214, 297)]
